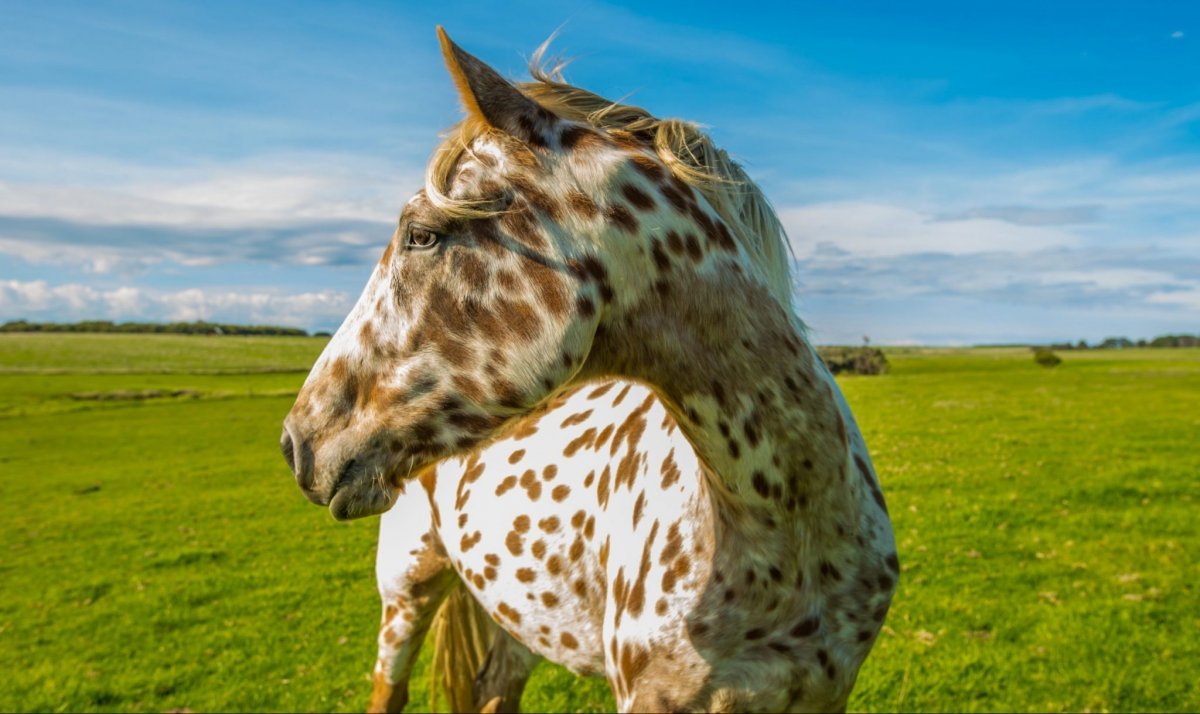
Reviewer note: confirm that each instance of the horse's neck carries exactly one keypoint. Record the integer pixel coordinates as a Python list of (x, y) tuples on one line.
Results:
[(751, 395)]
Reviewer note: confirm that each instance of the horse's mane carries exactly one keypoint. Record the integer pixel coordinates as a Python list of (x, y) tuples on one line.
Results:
[(686, 150)]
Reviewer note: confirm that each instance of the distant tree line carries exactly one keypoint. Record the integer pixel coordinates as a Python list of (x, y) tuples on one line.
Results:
[(854, 360), (1120, 343), (165, 328)]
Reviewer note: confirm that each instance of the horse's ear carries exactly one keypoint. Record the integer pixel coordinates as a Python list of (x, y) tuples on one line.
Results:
[(492, 99)]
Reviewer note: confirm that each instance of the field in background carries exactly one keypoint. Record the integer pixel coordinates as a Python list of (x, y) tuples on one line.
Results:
[(158, 554)]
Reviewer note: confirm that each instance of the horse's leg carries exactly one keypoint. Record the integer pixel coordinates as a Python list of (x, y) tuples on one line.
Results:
[(503, 676), (414, 578)]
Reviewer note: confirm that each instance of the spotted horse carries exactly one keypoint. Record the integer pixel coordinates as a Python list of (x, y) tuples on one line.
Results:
[(577, 390)]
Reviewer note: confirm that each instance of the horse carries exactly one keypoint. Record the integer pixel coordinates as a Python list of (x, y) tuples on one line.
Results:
[(576, 388)]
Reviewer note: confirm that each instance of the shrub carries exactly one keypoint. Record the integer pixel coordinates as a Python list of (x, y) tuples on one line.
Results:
[(855, 360), (1046, 358)]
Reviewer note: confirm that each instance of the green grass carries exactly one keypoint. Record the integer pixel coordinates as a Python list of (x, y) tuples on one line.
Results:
[(158, 555), (155, 354)]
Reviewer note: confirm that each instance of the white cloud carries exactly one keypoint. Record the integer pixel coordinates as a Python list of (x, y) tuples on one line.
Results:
[(1177, 35), (264, 191), (1189, 299), (303, 209), (37, 299), (1107, 278), (1029, 215), (871, 229)]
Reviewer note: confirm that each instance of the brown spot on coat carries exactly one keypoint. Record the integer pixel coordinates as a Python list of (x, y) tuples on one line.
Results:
[(505, 485), (647, 167), (601, 390), (515, 543), (622, 218), (575, 136), (508, 611), (577, 418), (806, 627), (640, 200), (468, 541)]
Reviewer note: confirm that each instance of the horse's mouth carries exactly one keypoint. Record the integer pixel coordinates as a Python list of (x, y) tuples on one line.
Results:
[(358, 494), (361, 498)]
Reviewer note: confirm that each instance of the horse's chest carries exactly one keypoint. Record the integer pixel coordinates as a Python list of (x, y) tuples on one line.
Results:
[(559, 526)]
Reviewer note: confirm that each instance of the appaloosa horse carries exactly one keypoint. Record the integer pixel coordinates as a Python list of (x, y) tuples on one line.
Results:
[(577, 381)]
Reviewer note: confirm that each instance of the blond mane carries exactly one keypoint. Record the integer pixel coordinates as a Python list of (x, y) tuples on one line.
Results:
[(686, 150)]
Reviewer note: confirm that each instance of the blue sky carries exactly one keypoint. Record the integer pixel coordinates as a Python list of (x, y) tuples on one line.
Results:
[(949, 173)]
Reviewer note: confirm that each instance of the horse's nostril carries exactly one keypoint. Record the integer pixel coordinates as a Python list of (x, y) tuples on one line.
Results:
[(288, 449)]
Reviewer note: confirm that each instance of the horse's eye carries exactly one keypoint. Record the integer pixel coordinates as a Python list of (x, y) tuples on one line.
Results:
[(419, 237)]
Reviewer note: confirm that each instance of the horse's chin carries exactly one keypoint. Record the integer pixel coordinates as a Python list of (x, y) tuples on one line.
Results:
[(359, 500)]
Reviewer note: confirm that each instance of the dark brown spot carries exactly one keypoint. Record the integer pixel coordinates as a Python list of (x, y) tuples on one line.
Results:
[(806, 627), (574, 134), (647, 166), (661, 260), (584, 306), (640, 200), (622, 218), (760, 484)]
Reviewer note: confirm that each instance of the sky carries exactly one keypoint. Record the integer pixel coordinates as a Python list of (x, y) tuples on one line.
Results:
[(948, 172)]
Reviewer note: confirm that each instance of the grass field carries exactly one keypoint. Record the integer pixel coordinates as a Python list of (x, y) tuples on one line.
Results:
[(159, 556)]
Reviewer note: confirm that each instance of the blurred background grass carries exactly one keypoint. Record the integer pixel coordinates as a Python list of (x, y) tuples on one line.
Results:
[(158, 555)]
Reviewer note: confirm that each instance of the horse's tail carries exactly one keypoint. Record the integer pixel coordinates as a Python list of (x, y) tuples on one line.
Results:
[(462, 635)]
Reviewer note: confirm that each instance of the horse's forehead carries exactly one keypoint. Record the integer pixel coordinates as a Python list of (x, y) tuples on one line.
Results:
[(496, 156)]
